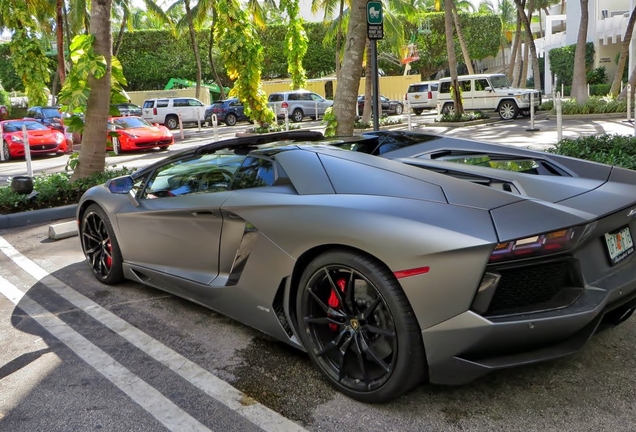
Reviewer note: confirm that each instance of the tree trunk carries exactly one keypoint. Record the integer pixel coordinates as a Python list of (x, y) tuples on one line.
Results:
[(514, 50), (217, 79), (92, 157), (339, 36), (622, 60), (368, 86), (536, 73), (195, 47), (346, 95), (631, 82), (452, 61), (59, 33), (523, 79), (579, 79), (462, 42), (120, 34)]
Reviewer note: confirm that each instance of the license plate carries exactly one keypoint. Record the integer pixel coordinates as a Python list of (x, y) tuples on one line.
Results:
[(619, 245)]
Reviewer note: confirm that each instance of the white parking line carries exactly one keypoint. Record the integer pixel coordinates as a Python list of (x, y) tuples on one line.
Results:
[(160, 407), (199, 377)]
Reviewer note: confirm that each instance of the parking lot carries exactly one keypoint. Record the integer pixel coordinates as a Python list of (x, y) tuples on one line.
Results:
[(78, 355)]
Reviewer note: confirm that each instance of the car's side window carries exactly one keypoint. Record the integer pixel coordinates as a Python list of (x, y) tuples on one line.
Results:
[(254, 172), (445, 87), (481, 84), (202, 174), (194, 102), (465, 85), (162, 103), (317, 98), (180, 103)]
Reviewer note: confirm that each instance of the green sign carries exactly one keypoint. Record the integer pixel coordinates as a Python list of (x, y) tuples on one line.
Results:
[(374, 12)]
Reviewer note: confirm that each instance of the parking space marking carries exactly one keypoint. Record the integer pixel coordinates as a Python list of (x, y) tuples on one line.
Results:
[(143, 394), (201, 378)]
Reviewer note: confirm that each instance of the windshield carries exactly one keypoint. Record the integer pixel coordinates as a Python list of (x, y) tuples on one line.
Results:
[(51, 113), (131, 122), (16, 126), (500, 81)]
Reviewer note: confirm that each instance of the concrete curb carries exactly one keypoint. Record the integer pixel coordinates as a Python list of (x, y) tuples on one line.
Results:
[(37, 216)]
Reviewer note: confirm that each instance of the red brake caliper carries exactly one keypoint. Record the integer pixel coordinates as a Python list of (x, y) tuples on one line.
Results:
[(333, 300), (109, 259)]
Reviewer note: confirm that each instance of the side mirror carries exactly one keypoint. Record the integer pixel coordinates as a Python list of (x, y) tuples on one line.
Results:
[(120, 185), (488, 89)]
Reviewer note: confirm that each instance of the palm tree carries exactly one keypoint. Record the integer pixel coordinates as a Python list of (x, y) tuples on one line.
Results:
[(452, 61), (579, 87), (530, 40), (92, 157), (622, 60)]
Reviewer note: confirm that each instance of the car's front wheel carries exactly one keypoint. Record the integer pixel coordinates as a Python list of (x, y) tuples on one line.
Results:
[(297, 115), (100, 246), (358, 327), (508, 110), (399, 109), (116, 145), (5, 151), (449, 109), (230, 119)]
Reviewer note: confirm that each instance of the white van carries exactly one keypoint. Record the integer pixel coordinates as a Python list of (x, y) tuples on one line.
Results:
[(167, 111), (488, 92)]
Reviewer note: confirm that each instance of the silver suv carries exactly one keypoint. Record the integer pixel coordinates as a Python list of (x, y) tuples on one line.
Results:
[(298, 104), (421, 96), (167, 111)]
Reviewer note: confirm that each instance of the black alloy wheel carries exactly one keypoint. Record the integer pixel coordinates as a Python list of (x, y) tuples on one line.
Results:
[(100, 246), (358, 327)]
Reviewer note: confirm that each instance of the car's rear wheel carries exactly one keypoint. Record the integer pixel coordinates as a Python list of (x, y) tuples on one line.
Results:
[(297, 115), (449, 109), (100, 246), (508, 110), (5, 151), (358, 327), (230, 119), (116, 145), (172, 122), (163, 148), (417, 111), (399, 109)]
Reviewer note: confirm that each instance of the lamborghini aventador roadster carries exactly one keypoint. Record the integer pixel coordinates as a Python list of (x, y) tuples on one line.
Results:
[(455, 259)]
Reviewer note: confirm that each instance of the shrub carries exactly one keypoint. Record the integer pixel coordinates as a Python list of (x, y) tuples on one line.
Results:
[(53, 190), (608, 149), (594, 105), (467, 116)]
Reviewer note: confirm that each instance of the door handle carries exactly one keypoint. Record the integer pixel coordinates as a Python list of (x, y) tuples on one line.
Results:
[(203, 213)]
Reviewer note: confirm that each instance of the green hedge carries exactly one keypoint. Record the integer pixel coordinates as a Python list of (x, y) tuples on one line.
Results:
[(562, 62), (608, 149)]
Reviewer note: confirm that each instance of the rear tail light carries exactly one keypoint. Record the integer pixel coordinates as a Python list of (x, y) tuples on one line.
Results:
[(154, 111), (406, 96), (430, 95), (284, 105), (542, 244)]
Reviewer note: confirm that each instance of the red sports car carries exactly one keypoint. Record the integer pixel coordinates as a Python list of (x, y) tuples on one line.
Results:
[(135, 133), (41, 139)]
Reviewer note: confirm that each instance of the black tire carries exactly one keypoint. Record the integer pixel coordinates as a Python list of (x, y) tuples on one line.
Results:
[(399, 109), (297, 116), (366, 341), (417, 111), (5, 150), (116, 145), (230, 119), (525, 113), (508, 110), (172, 122), (100, 246), (163, 148), (449, 108)]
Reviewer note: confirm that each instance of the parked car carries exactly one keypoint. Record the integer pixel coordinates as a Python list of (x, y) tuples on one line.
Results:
[(42, 140), (298, 104), (166, 111), (128, 109), (489, 92), (440, 260), (422, 95), (388, 106), (227, 111), (49, 116), (135, 133)]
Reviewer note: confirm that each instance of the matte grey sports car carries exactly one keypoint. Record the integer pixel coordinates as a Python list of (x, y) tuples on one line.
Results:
[(454, 260)]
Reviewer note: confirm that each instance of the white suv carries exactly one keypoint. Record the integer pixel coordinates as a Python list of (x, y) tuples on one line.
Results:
[(167, 111), (422, 95), (488, 92)]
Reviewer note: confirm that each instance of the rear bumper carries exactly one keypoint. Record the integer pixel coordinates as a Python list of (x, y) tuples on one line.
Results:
[(469, 346)]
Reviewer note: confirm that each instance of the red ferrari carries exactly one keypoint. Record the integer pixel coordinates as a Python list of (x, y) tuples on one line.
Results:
[(135, 133), (41, 139)]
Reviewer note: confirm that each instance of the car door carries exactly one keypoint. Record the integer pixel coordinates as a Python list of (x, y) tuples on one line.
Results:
[(319, 103), (468, 101), (182, 107), (483, 99), (198, 109), (176, 228)]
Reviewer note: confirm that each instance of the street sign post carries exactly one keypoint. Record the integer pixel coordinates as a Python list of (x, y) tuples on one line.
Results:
[(375, 20)]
